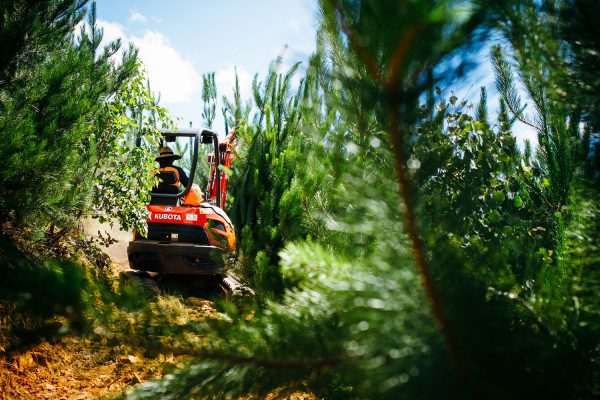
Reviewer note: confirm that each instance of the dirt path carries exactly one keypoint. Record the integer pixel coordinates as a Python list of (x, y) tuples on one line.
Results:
[(117, 251), (76, 368), (79, 367), (88, 366)]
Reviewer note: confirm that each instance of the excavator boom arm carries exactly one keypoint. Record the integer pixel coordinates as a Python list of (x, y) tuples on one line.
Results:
[(226, 158)]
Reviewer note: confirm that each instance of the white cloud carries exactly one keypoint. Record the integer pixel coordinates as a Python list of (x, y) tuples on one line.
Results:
[(137, 17), (295, 24), (175, 78), (170, 74), (225, 80), (112, 31)]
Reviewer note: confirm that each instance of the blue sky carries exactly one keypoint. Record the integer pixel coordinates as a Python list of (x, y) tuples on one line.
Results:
[(181, 40)]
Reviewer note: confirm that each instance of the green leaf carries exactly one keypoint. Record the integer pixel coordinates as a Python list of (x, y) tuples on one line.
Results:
[(498, 198), (518, 202), (494, 216)]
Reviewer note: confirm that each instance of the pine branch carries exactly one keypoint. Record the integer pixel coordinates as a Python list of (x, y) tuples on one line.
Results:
[(277, 364), (482, 112), (506, 86), (397, 140), (360, 49)]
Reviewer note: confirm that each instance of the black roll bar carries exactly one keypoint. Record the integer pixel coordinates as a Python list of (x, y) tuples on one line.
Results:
[(217, 170), (206, 136)]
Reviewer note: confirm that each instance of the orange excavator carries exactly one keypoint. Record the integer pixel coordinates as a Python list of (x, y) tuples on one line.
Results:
[(189, 233)]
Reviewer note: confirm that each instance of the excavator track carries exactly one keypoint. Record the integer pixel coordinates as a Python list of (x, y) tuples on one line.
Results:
[(223, 286), (235, 290)]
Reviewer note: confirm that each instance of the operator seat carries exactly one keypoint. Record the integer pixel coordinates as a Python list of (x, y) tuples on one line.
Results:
[(169, 185)]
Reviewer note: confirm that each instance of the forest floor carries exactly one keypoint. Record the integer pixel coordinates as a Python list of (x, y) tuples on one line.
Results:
[(77, 368), (85, 365)]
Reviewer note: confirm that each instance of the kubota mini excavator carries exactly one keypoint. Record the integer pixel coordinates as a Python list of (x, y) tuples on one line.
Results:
[(188, 231)]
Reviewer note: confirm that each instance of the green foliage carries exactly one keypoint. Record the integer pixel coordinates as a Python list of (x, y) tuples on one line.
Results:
[(69, 122), (267, 183), (51, 101), (41, 288), (480, 224), (337, 309), (28, 29), (578, 28), (45, 296), (482, 113), (541, 61), (490, 232), (474, 192), (401, 250), (122, 166), (209, 98), (235, 111)]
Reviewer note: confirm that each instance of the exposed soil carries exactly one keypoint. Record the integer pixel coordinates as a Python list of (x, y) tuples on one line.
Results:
[(116, 251), (86, 366), (76, 368)]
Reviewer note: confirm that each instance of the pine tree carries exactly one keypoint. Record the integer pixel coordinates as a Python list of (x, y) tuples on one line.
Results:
[(28, 29), (49, 111), (263, 182), (481, 113), (555, 121), (209, 98)]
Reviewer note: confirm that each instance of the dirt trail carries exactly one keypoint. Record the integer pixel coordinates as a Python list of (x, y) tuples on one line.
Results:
[(79, 367), (86, 367), (75, 368), (116, 251)]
